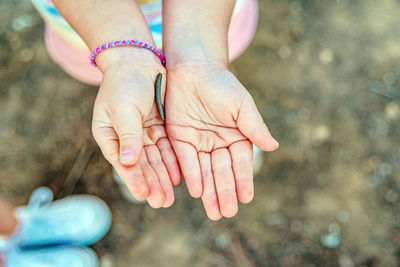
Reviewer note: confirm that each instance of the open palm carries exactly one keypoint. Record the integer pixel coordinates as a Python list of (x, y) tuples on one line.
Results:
[(212, 121), (132, 137)]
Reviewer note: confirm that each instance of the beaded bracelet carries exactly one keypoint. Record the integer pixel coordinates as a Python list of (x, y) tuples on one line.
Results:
[(136, 43)]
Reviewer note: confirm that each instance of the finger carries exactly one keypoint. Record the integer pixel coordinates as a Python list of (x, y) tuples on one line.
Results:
[(134, 180), (156, 196), (209, 197), (171, 162), (155, 161), (224, 182), (107, 140), (251, 124), (189, 162), (242, 162), (128, 125)]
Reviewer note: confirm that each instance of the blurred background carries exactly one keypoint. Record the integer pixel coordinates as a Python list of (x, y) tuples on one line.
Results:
[(325, 76)]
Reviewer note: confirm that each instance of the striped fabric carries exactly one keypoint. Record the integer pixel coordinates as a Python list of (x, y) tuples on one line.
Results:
[(151, 9)]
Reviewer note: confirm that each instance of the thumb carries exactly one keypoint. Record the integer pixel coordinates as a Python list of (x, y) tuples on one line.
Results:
[(251, 124), (128, 125)]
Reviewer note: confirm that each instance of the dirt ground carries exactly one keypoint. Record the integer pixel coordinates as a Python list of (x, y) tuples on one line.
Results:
[(324, 74)]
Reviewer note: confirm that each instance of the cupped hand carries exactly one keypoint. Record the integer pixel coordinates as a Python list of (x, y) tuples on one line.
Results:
[(212, 121), (128, 128)]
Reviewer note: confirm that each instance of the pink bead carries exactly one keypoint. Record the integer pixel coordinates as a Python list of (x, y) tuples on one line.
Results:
[(136, 43)]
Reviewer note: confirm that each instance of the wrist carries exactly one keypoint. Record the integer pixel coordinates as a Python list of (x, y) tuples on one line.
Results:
[(195, 59), (196, 32), (195, 51), (194, 48), (126, 57)]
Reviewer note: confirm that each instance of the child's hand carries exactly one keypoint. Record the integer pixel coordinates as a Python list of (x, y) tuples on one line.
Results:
[(212, 122), (131, 134)]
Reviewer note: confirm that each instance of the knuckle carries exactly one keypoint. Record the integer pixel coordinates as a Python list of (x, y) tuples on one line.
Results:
[(228, 191), (206, 173), (123, 137), (156, 162)]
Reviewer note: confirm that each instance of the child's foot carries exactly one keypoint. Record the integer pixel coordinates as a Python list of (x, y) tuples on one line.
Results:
[(75, 220), (52, 256), (257, 159)]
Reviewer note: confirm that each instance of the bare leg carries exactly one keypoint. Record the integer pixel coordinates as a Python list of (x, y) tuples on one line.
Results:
[(8, 222)]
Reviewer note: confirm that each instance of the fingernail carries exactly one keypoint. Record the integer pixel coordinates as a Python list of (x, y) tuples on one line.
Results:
[(127, 156)]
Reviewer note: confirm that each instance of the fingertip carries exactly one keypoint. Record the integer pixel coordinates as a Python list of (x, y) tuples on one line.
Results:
[(176, 180), (194, 184), (214, 217), (272, 146), (246, 197), (168, 203), (196, 191), (275, 146), (156, 201), (169, 195), (211, 206), (228, 203), (175, 174), (268, 145), (230, 212), (141, 191)]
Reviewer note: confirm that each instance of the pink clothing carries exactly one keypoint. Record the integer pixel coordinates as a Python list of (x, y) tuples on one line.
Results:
[(75, 61)]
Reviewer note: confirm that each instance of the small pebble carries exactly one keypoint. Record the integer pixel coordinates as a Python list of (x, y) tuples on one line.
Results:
[(343, 216), (285, 52), (295, 7), (326, 56), (304, 113), (26, 55), (321, 133), (391, 196), (331, 240), (392, 110), (374, 181), (276, 219), (22, 22), (385, 169), (389, 78), (291, 117), (334, 228), (107, 261), (296, 226), (376, 86), (222, 241), (291, 191), (345, 261)]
